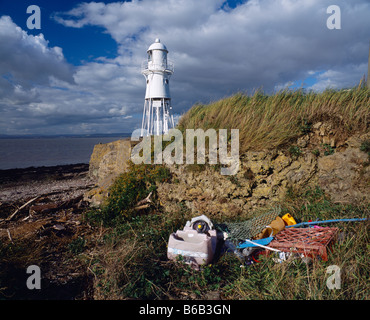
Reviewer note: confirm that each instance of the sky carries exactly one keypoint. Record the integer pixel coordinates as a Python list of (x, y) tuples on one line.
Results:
[(80, 72)]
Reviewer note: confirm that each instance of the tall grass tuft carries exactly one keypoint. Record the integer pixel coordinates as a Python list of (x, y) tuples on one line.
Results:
[(268, 121)]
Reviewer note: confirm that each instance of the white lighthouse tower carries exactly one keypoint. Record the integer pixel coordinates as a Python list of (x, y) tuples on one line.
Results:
[(157, 71)]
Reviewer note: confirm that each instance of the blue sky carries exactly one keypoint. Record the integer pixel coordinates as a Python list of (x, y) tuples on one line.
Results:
[(80, 73), (92, 41)]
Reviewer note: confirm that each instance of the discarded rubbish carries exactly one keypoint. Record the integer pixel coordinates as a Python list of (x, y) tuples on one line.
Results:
[(310, 242), (239, 231), (265, 234), (196, 243), (326, 221), (255, 243), (288, 219), (284, 256), (272, 229)]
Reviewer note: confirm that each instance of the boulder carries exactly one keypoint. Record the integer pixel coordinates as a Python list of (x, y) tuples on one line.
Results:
[(107, 162), (341, 175)]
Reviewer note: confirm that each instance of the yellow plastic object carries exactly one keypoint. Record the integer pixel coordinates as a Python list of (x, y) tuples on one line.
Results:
[(277, 225), (288, 219), (272, 229)]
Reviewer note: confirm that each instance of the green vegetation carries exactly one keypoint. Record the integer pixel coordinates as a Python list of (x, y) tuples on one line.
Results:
[(128, 189), (130, 258), (77, 245), (269, 121), (365, 147), (328, 149), (295, 151)]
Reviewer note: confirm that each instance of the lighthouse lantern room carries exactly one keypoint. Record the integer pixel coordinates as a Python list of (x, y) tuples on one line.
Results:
[(157, 72)]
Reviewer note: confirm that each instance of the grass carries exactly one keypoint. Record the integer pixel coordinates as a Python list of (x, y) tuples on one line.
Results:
[(268, 121)]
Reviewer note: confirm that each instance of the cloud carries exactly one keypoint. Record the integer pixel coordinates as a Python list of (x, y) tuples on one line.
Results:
[(217, 50), (126, 19), (41, 93), (339, 78), (26, 63), (28, 59)]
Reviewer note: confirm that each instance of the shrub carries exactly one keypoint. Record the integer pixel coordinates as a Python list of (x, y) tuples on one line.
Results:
[(365, 147), (131, 187), (295, 151)]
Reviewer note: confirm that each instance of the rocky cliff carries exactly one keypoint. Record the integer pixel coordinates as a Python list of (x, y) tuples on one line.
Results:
[(323, 157)]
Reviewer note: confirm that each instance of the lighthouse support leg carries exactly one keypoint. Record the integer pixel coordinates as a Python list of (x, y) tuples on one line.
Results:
[(144, 125)]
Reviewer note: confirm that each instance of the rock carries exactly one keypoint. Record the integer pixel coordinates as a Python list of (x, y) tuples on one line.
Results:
[(356, 141), (339, 175), (262, 191), (325, 140), (109, 160), (302, 141), (281, 162), (212, 295), (263, 178), (96, 196), (58, 227)]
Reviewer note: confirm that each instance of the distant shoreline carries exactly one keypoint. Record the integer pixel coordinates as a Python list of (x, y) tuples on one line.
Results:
[(23, 153), (57, 167), (56, 136)]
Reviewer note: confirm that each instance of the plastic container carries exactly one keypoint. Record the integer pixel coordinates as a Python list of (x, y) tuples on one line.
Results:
[(196, 248), (288, 219)]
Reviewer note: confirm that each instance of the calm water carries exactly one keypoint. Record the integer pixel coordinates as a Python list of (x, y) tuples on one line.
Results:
[(23, 153)]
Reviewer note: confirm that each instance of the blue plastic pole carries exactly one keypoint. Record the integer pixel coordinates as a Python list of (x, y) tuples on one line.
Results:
[(325, 221)]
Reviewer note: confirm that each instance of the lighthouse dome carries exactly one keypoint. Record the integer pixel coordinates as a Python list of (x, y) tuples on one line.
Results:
[(157, 45)]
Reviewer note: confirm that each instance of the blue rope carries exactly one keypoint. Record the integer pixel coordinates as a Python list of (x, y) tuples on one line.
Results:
[(325, 221)]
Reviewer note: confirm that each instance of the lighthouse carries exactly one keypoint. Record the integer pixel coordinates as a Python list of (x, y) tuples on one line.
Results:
[(157, 71)]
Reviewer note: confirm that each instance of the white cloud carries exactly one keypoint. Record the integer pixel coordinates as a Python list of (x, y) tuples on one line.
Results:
[(340, 77), (28, 58), (126, 19), (267, 44), (259, 43)]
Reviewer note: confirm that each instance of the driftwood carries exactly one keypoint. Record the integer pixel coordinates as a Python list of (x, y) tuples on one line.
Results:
[(21, 207), (54, 206), (143, 204), (10, 237), (142, 207)]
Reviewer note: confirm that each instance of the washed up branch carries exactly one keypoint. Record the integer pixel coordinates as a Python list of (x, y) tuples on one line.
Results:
[(145, 203), (9, 236), (21, 207)]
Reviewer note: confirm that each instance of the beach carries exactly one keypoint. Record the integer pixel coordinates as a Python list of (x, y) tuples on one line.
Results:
[(57, 182), (41, 213)]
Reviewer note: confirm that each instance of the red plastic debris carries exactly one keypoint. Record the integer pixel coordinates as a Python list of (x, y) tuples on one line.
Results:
[(311, 242)]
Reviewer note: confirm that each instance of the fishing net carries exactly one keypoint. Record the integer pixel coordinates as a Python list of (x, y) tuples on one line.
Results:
[(239, 231)]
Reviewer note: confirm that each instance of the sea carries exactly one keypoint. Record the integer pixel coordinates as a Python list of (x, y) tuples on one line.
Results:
[(20, 152)]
